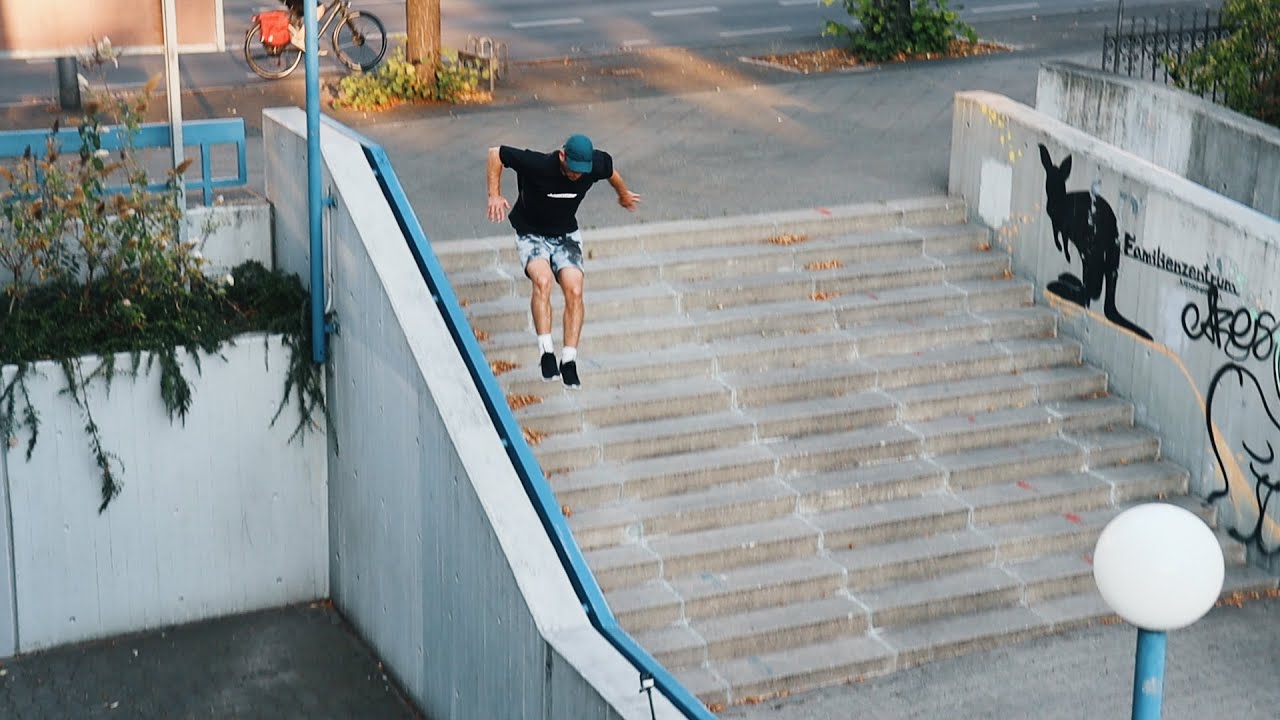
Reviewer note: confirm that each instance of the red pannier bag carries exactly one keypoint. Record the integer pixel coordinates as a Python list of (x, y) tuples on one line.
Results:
[(275, 27)]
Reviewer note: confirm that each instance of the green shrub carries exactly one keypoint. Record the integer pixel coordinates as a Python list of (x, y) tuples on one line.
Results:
[(890, 29), (397, 81), (95, 264), (1245, 64)]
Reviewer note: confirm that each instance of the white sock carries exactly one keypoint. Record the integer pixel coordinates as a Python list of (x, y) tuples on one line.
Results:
[(569, 354), (545, 344)]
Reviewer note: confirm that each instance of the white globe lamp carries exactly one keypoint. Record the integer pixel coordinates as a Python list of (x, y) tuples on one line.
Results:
[(1160, 568)]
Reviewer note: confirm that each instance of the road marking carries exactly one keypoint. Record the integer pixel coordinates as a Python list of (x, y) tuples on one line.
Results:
[(685, 11), (793, 3), (546, 23), (1003, 8), (756, 31), (636, 42)]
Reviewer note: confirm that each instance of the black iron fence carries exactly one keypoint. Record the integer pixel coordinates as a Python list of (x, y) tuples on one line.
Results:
[(1141, 47)]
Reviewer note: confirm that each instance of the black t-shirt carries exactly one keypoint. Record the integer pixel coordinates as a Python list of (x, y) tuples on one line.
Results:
[(548, 201)]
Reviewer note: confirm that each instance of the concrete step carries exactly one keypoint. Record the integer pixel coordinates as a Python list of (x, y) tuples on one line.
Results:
[(511, 313), (890, 372), (596, 407), (763, 319), (790, 285), (927, 212), (685, 472), (749, 502), (703, 594), (743, 634)]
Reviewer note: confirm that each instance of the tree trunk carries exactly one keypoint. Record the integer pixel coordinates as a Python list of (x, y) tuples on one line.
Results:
[(422, 24)]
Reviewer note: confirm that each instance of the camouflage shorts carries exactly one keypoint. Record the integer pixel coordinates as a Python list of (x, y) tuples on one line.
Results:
[(560, 251)]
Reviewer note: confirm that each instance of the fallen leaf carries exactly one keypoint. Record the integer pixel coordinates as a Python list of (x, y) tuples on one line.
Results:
[(788, 239), (825, 265), (500, 366), (481, 335), (520, 401), (566, 511)]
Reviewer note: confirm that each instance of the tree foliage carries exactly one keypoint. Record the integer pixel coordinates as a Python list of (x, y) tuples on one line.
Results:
[(888, 29), (1245, 64)]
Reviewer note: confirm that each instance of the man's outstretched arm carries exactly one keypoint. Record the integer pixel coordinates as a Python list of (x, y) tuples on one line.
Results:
[(626, 198), (498, 205)]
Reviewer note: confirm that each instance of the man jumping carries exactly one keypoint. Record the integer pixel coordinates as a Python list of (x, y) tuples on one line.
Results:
[(551, 187)]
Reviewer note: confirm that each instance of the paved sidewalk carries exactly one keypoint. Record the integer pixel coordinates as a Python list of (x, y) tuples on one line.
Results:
[(295, 663), (699, 135)]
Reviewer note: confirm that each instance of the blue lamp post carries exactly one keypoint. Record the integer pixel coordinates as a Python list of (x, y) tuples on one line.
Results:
[(1160, 568)]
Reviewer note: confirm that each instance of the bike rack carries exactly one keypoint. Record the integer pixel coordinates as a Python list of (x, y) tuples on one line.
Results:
[(485, 53)]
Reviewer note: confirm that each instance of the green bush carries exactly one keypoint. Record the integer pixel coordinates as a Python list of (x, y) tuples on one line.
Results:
[(890, 29), (397, 81), (94, 263), (1245, 64)]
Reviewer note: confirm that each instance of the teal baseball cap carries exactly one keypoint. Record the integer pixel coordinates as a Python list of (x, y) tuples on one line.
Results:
[(578, 153)]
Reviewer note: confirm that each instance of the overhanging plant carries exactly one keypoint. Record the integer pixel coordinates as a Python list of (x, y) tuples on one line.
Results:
[(96, 264)]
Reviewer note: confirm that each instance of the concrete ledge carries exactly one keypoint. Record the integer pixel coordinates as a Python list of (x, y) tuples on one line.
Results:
[(1227, 152)]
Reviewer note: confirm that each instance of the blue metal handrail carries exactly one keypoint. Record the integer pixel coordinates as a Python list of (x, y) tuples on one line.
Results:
[(522, 458), (204, 134)]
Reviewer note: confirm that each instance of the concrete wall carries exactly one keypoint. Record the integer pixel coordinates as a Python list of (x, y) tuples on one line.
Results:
[(1202, 367), (437, 556), (235, 233), (219, 515), (1231, 154)]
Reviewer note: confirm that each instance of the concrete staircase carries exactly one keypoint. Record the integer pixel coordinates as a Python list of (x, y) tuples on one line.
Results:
[(822, 445)]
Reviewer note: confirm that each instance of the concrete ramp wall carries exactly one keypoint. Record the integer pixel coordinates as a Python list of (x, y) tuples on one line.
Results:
[(1171, 288), (436, 555), (1233, 155)]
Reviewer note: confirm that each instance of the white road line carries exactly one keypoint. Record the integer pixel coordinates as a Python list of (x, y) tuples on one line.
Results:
[(1004, 8), (793, 3), (756, 31), (635, 43), (546, 23), (685, 11)]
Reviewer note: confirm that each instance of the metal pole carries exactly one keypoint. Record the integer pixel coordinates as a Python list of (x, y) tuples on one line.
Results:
[(1148, 675), (1119, 15), (68, 83), (173, 91), (315, 217)]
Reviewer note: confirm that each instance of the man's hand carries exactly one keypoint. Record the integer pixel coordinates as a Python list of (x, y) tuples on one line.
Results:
[(498, 207), (628, 200)]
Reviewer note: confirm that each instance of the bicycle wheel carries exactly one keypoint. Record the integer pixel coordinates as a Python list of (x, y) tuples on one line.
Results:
[(267, 61), (360, 41)]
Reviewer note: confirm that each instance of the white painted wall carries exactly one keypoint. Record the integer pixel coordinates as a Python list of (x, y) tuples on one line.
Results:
[(996, 166), (219, 515), (438, 558)]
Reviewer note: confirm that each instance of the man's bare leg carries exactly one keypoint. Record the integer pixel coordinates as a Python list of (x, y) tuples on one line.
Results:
[(540, 278), (539, 272), (571, 284)]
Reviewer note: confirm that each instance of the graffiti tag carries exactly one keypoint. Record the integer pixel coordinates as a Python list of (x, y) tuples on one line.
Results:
[(1265, 485), (1239, 333)]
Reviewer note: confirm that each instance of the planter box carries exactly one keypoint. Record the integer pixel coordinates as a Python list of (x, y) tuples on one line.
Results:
[(220, 515)]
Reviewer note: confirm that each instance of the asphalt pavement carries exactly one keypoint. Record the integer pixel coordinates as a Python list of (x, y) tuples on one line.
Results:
[(698, 133)]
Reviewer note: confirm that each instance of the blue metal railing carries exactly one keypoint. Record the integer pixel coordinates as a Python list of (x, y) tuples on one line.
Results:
[(526, 466), (204, 134)]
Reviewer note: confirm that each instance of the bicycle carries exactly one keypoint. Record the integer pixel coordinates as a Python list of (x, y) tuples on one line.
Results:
[(359, 40)]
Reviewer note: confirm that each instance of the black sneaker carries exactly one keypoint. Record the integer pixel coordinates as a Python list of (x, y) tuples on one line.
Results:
[(569, 371), (549, 369)]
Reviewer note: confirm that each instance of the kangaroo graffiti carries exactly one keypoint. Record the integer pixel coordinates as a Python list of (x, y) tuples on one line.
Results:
[(1238, 333), (1265, 485), (1087, 221)]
